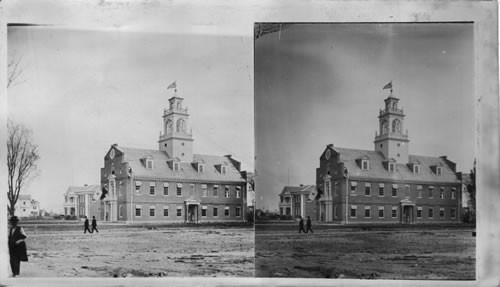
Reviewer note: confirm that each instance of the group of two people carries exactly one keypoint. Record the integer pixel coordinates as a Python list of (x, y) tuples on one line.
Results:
[(86, 225), (309, 225)]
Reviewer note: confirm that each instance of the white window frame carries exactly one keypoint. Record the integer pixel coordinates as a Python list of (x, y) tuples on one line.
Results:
[(419, 191), (381, 187), (355, 208), (149, 164), (453, 213), (441, 193), (441, 213), (395, 187), (223, 169), (439, 171), (165, 188), (394, 212), (453, 192), (365, 164), (430, 212), (201, 168), (369, 209), (381, 208), (178, 189), (179, 207), (152, 185), (215, 211), (227, 210), (138, 185), (335, 188), (392, 167), (238, 191), (168, 212), (238, 211), (204, 190), (152, 208), (138, 208), (227, 191), (204, 208), (176, 166), (368, 187), (416, 169), (421, 210), (431, 192), (215, 190), (407, 190), (353, 189)]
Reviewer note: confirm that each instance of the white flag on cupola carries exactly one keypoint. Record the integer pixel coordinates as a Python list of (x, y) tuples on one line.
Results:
[(172, 86)]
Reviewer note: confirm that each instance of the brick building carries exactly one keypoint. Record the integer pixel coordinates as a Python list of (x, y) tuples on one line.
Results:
[(83, 201), (172, 184), (298, 201), (387, 184)]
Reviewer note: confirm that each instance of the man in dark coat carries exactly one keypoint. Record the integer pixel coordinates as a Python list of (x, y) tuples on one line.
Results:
[(301, 226), (86, 226), (17, 246), (309, 225), (94, 225)]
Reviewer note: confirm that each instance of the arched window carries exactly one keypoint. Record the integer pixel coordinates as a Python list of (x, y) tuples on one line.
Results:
[(396, 126), (181, 125), (170, 126), (385, 127), (394, 106)]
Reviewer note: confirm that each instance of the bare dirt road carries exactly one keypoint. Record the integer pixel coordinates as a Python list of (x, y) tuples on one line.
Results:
[(414, 253), (139, 252)]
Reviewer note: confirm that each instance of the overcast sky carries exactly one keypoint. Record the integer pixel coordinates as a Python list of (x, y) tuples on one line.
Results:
[(317, 84), (83, 90)]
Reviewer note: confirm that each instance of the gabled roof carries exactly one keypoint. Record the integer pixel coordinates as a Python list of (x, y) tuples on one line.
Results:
[(306, 189), (403, 172), (24, 197), (90, 189), (186, 170)]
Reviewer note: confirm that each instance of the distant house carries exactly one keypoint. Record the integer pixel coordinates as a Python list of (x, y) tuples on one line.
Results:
[(298, 201), (83, 201), (172, 184), (27, 207)]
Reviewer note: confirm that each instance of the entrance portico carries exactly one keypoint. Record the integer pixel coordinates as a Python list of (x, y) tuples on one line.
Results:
[(192, 207), (407, 214)]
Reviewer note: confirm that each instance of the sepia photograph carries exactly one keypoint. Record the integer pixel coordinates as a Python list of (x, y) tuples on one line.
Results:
[(129, 147), (365, 155)]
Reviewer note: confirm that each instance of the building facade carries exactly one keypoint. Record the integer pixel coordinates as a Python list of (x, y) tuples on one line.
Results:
[(171, 184), (83, 201), (298, 201), (26, 206), (387, 184)]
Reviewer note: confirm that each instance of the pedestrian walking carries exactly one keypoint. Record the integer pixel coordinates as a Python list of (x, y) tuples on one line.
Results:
[(301, 226), (17, 246), (86, 226), (94, 225), (309, 225)]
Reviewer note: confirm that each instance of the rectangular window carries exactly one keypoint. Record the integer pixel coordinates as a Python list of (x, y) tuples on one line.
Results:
[(441, 193), (419, 191), (368, 212), (381, 189), (152, 190), (394, 190), (179, 189), (165, 211), (223, 170), (238, 211), (453, 190), (431, 212), (176, 166), (368, 189), (394, 212), (203, 211), (353, 187), (192, 190), (407, 190), (165, 188), (391, 167), (419, 212), (226, 191), (138, 186), (149, 164), (438, 170), (152, 211), (120, 208), (416, 169), (431, 191), (179, 211), (216, 190), (226, 211), (238, 192), (336, 188), (380, 212), (453, 213), (353, 211), (441, 213), (201, 168), (364, 164), (204, 190), (216, 211), (138, 210)]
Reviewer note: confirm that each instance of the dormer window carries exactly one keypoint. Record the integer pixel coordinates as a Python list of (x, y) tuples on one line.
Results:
[(391, 167), (149, 163), (176, 166), (201, 168), (416, 169), (438, 170), (223, 170), (365, 164)]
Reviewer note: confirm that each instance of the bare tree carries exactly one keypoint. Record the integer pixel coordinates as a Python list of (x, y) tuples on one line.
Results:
[(22, 158), (14, 71)]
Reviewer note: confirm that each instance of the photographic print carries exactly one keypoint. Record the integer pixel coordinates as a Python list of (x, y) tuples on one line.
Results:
[(132, 153), (365, 155)]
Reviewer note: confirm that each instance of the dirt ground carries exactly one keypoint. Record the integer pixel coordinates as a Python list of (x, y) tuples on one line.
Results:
[(413, 253), (139, 252)]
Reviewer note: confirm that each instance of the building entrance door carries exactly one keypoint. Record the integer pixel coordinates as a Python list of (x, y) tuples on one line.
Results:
[(407, 214), (192, 214)]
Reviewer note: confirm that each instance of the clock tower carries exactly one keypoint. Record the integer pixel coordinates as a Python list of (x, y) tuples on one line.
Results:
[(175, 139), (390, 139)]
